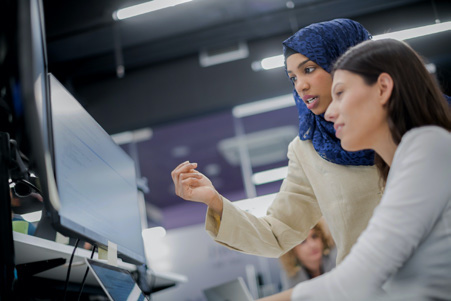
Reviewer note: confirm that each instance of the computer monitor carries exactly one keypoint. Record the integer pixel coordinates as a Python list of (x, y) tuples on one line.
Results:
[(88, 183), (96, 179)]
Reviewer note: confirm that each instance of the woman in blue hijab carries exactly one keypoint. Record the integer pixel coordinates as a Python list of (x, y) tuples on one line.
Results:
[(322, 180), (321, 44)]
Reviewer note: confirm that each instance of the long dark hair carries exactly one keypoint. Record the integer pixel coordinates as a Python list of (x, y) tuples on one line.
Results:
[(416, 99)]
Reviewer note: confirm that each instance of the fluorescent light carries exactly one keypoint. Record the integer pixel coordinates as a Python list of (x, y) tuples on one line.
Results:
[(272, 62), (144, 8), (225, 55), (32, 216), (415, 32), (431, 68), (132, 136), (269, 176), (278, 60), (154, 233), (262, 106)]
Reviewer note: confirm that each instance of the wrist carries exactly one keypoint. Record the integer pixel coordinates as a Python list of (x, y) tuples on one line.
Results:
[(215, 203)]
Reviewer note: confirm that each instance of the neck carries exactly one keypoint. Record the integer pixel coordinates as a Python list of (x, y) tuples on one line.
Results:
[(385, 146), (314, 268)]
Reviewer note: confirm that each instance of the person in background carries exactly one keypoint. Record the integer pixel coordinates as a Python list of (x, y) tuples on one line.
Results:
[(385, 99), (311, 258), (18, 222), (322, 180)]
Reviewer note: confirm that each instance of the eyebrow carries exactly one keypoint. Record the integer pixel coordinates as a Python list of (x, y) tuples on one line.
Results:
[(300, 65), (334, 87)]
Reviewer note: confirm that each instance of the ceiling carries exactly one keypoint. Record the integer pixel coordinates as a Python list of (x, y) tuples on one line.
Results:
[(187, 106)]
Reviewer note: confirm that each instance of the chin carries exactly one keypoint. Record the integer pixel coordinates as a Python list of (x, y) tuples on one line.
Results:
[(318, 111), (350, 147)]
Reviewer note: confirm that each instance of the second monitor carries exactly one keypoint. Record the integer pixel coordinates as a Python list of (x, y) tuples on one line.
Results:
[(95, 179)]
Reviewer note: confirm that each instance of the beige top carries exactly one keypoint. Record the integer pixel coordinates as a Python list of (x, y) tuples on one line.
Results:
[(345, 195)]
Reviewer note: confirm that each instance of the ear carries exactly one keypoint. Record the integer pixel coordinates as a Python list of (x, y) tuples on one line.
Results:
[(385, 84)]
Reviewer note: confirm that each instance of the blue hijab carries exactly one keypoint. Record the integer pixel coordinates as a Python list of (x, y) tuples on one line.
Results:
[(323, 43)]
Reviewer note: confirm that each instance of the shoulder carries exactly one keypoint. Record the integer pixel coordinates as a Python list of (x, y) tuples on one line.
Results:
[(422, 160), (330, 259), (428, 140), (297, 143), (430, 131), (303, 149)]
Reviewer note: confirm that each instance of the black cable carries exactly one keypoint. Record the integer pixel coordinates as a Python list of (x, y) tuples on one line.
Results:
[(152, 283), (70, 265), (86, 274)]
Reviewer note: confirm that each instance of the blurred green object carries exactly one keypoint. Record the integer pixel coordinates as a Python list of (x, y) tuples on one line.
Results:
[(21, 226)]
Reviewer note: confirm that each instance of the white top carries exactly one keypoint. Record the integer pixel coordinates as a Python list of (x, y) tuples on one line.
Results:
[(406, 248)]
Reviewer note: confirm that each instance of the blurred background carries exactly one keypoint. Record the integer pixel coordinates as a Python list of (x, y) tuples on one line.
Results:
[(166, 84), (190, 82)]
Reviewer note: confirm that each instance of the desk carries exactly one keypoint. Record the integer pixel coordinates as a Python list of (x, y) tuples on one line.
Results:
[(31, 249)]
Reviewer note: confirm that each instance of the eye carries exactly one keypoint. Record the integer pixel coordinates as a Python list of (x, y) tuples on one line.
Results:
[(309, 70), (293, 79), (338, 93)]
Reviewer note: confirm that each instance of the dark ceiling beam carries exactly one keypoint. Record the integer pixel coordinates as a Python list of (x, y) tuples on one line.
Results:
[(263, 26)]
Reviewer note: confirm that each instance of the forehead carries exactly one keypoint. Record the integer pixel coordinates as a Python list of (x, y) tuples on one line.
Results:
[(343, 76), (294, 60)]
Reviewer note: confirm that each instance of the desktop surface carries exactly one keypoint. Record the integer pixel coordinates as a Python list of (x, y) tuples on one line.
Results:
[(30, 249)]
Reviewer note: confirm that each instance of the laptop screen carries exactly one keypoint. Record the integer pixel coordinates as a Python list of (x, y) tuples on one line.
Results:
[(235, 290), (117, 283)]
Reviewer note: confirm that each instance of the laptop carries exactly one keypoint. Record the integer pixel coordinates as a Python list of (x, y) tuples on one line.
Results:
[(118, 284), (235, 290)]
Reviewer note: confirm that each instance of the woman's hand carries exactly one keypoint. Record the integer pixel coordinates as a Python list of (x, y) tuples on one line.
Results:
[(192, 185)]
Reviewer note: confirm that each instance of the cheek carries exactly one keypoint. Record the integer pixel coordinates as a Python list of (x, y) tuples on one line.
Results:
[(325, 82), (320, 244), (300, 251), (361, 122)]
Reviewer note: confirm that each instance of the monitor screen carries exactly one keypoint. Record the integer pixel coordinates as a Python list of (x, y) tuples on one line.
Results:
[(117, 283), (88, 183), (96, 179)]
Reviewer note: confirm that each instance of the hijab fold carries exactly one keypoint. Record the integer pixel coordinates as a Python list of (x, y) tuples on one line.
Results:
[(323, 43)]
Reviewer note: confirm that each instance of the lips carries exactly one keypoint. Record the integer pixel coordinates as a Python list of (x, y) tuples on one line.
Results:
[(338, 127), (309, 98), (310, 101)]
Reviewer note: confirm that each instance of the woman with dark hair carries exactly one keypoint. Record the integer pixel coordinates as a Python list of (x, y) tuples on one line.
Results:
[(322, 180), (385, 99)]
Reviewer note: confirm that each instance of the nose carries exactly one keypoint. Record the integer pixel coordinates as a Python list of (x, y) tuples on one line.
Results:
[(301, 86), (331, 112)]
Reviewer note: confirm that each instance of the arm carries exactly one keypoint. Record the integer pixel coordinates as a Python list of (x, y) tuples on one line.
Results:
[(273, 234), (293, 212), (417, 192), (191, 185)]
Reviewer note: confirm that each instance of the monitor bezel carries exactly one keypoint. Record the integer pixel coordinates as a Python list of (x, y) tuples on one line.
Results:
[(41, 157)]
